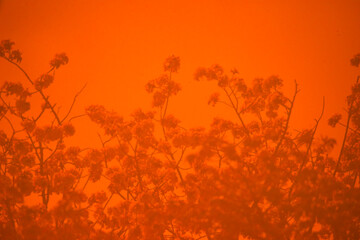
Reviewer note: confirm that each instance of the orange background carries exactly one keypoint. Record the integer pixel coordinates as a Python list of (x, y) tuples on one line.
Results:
[(117, 46)]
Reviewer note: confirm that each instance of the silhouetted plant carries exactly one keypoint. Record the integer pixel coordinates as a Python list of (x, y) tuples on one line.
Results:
[(250, 176)]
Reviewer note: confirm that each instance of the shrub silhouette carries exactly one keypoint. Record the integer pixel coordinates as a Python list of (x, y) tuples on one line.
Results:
[(248, 177)]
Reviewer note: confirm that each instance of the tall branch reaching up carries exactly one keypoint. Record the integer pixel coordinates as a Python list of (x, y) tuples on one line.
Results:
[(73, 103), (237, 112), (307, 150), (287, 120), (350, 112)]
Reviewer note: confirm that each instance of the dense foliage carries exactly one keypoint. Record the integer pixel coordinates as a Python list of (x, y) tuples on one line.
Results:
[(248, 177)]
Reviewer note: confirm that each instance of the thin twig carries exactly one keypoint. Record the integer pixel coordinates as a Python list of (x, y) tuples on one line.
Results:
[(307, 151), (73, 103), (346, 132), (287, 120)]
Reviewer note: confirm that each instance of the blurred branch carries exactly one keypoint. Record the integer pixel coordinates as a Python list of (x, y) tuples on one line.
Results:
[(346, 132), (287, 120), (237, 112), (73, 103), (307, 151), (40, 91)]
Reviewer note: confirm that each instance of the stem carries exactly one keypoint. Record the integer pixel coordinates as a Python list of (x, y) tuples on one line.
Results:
[(138, 173), (73, 103), (346, 132), (353, 184), (237, 112), (287, 120), (307, 151), (162, 116), (11, 216), (40, 91)]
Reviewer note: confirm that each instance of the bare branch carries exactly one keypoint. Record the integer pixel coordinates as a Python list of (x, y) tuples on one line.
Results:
[(287, 120), (305, 160), (346, 132), (73, 103)]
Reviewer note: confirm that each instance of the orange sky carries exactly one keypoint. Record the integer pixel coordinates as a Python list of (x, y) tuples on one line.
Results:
[(117, 46)]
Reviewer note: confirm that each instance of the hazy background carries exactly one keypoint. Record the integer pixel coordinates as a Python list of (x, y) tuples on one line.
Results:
[(117, 46)]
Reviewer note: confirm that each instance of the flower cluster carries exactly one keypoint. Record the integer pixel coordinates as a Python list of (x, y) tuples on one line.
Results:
[(58, 60), (172, 64), (6, 51), (355, 61), (163, 87), (334, 120), (44, 81)]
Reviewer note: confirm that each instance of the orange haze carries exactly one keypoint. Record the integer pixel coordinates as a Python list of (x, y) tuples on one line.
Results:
[(117, 46)]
